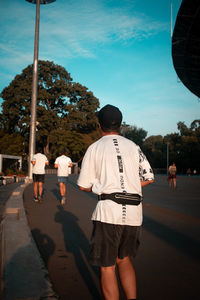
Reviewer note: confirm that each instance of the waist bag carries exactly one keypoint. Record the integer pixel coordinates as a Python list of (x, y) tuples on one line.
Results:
[(122, 198)]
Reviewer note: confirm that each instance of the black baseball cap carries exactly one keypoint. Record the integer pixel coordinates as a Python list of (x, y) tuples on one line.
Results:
[(110, 117)]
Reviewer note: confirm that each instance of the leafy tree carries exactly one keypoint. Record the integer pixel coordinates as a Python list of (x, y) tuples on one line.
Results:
[(11, 144), (184, 130), (62, 105), (137, 135), (154, 148), (184, 148), (195, 127)]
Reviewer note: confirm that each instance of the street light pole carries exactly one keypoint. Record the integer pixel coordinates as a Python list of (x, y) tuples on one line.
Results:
[(34, 84), (34, 91), (167, 157)]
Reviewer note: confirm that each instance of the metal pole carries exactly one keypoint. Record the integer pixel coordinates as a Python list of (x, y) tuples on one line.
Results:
[(34, 91), (167, 157)]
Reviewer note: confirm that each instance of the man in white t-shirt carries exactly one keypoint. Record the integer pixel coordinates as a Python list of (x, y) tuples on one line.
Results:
[(39, 161), (63, 163), (115, 169)]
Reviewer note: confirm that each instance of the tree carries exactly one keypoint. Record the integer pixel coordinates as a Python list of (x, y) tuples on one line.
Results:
[(195, 127), (184, 147), (137, 135), (184, 130), (62, 105), (154, 149), (11, 144)]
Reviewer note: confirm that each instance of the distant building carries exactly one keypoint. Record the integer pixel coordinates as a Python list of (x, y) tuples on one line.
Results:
[(4, 158)]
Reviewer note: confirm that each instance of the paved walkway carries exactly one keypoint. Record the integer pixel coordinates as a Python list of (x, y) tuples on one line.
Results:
[(5, 193), (168, 263), (167, 266), (23, 274)]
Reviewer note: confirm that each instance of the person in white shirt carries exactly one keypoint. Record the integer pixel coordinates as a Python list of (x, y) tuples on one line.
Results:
[(115, 169), (39, 161), (63, 163)]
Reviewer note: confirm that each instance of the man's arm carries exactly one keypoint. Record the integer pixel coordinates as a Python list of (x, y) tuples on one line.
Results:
[(144, 183), (145, 170), (85, 189), (46, 163), (87, 173), (33, 162), (56, 166)]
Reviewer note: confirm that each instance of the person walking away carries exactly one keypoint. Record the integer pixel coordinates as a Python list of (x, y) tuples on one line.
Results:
[(189, 171), (63, 163), (172, 174), (115, 169), (39, 161)]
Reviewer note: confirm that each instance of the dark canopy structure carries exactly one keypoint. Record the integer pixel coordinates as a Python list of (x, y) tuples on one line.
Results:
[(186, 45)]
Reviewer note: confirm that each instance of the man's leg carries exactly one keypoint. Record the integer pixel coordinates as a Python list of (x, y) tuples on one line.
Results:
[(62, 189), (109, 283), (174, 182), (62, 192), (35, 188), (127, 277), (40, 188)]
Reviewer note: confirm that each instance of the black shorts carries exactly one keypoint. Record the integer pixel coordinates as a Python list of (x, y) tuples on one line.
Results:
[(38, 177), (171, 176), (110, 241)]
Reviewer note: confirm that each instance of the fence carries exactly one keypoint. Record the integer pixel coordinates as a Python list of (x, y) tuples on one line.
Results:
[(73, 170)]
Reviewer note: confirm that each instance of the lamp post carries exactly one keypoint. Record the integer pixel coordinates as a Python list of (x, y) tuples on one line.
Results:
[(34, 83), (167, 157)]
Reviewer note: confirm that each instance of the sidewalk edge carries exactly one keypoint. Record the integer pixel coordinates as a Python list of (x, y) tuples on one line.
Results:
[(24, 275)]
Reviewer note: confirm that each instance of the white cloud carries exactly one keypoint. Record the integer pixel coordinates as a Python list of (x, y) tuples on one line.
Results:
[(96, 23), (71, 28)]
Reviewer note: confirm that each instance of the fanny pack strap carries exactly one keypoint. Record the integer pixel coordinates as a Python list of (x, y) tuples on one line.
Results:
[(122, 198)]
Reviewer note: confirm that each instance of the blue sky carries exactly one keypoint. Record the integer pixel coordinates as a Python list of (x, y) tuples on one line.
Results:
[(118, 49)]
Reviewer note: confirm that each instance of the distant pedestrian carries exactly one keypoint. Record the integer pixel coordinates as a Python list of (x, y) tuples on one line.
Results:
[(39, 161), (189, 172), (172, 174), (115, 169), (63, 163)]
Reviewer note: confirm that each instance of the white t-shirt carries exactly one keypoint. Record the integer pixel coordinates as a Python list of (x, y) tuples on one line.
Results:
[(39, 167), (115, 164), (63, 163)]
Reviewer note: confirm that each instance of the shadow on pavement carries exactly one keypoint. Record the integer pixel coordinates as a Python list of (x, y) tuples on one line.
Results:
[(178, 240), (26, 277), (45, 244), (77, 244)]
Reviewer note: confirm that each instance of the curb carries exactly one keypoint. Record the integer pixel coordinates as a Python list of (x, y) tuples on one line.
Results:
[(4, 180), (24, 275)]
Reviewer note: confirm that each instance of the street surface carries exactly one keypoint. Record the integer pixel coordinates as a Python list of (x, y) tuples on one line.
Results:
[(168, 262)]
